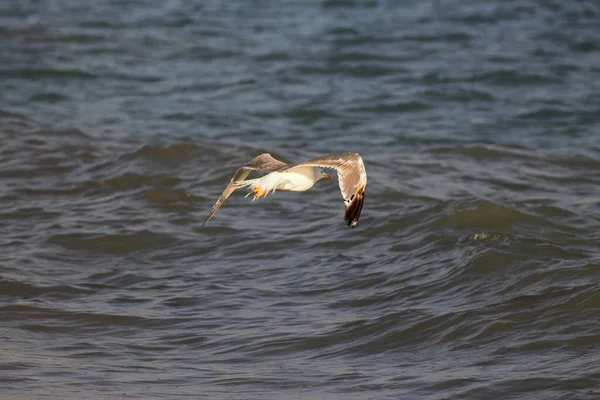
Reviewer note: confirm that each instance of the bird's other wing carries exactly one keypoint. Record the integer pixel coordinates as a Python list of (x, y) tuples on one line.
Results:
[(263, 162)]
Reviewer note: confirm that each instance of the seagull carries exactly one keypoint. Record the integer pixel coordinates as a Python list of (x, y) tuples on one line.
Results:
[(350, 169)]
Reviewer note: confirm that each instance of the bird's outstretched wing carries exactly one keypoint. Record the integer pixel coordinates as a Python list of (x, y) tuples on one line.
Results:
[(263, 162), (352, 179)]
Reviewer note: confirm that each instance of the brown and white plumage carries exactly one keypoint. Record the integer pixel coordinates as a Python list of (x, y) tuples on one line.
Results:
[(300, 177)]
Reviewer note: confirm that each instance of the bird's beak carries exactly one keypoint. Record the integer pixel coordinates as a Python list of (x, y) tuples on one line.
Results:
[(328, 176)]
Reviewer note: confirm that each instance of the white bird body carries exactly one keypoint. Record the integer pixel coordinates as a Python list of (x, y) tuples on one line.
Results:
[(299, 180)]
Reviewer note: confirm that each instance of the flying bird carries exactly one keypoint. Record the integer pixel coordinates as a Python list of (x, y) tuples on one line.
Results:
[(350, 169)]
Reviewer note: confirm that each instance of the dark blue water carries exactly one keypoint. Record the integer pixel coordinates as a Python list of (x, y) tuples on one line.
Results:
[(474, 272)]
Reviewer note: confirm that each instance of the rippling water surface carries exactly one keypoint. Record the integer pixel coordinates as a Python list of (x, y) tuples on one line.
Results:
[(474, 272)]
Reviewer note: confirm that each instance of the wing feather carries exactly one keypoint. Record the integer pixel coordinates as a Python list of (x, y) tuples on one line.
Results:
[(352, 178)]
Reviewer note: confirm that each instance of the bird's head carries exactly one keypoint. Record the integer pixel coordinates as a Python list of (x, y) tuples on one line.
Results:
[(324, 175)]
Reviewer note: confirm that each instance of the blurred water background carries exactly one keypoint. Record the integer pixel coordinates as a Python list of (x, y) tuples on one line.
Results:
[(474, 272)]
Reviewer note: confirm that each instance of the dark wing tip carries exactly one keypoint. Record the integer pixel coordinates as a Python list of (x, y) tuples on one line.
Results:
[(354, 209), (204, 223), (212, 212)]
